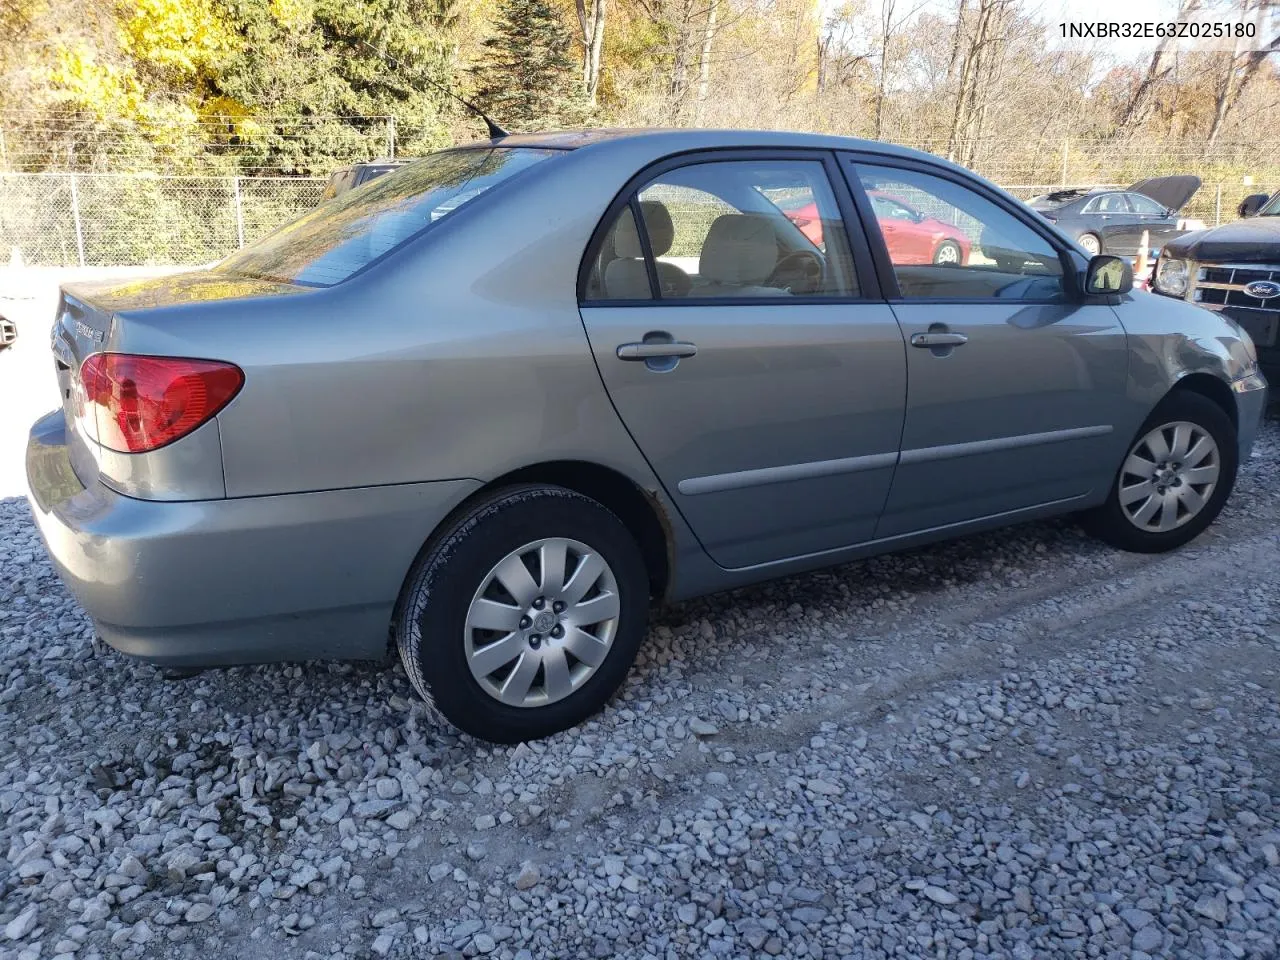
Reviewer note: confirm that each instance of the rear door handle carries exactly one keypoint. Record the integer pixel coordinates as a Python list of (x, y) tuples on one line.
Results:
[(656, 350), (938, 339)]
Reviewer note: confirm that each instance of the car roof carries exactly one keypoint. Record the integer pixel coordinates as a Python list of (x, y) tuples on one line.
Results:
[(678, 139)]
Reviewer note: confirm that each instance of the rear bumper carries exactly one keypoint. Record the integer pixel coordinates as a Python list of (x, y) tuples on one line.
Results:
[(221, 582)]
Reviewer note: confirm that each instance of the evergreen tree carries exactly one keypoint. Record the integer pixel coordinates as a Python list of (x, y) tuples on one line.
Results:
[(527, 79), (305, 64)]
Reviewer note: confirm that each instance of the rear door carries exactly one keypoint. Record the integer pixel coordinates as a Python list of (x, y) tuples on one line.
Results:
[(1014, 381), (1111, 218), (760, 373)]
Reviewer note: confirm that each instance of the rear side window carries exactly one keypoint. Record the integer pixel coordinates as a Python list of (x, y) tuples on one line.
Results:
[(728, 229), (332, 242)]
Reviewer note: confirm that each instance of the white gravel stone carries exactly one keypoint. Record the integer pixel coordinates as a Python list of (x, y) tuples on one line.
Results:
[(980, 749), (938, 895), (22, 924)]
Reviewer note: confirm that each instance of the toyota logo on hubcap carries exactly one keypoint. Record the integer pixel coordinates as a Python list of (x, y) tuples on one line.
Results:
[(1262, 289), (544, 621)]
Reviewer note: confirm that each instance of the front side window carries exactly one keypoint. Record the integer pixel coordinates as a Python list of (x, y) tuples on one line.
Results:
[(338, 238), (958, 245), (731, 229), (1145, 205)]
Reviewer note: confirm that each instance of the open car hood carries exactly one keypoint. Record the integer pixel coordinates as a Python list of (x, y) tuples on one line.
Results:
[(1171, 192)]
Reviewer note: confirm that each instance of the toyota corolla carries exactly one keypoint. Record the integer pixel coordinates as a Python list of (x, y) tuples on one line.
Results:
[(492, 406)]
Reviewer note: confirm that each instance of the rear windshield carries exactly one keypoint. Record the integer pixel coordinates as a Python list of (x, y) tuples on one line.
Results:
[(342, 236)]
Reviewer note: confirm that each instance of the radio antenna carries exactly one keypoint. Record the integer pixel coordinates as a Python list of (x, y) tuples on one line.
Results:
[(495, 132)]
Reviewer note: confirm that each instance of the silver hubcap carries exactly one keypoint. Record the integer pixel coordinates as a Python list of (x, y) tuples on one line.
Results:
[(541, 623), (1091, 245), (1169, 476), (947, 253)]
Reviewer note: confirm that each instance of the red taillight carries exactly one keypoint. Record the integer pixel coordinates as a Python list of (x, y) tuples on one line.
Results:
[(142, 403)]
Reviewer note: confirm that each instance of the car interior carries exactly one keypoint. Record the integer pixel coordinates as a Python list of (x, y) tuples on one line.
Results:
[(754, 250), (726, 236)]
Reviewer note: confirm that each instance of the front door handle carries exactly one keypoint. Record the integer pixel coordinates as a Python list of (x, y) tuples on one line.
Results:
[(938, 339), (656, 350)]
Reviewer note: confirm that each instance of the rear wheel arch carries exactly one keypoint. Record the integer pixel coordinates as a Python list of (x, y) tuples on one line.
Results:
[(638, 509)]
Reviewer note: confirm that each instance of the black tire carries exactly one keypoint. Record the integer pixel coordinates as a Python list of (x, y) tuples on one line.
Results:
[(1110, 524), (953, 249), (431, 615)]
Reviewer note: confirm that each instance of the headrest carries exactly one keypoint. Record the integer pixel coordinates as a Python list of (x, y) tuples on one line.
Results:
[(657, 221), (740, 248)]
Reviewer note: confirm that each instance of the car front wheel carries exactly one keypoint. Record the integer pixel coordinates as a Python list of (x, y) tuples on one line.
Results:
[(1175, 478), (524, 614)]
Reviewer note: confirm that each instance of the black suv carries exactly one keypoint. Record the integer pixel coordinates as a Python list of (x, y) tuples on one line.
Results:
[(1235, 269), (349, 177)]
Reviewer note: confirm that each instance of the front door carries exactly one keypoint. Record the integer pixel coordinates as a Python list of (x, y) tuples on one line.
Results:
[(1154, 219), (761, 381), (1014, 384)]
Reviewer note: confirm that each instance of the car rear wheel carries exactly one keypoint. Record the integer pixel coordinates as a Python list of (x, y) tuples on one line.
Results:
[(1091, 243), (1178, 473), (948, 252), (524, 614)]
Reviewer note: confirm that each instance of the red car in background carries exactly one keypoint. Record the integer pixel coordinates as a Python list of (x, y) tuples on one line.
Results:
[(911, 236)]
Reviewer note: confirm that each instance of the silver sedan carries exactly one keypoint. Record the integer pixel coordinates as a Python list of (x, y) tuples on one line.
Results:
[(489, 407)]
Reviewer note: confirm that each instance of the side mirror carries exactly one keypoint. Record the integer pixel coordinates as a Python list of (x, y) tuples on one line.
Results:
[(1108, 276), (1251, 204)]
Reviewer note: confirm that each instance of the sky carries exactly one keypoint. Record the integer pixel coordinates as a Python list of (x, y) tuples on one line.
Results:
[(1054, 12)]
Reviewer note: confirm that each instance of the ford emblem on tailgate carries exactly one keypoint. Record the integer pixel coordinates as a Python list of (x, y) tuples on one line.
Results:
[(1262, 289)]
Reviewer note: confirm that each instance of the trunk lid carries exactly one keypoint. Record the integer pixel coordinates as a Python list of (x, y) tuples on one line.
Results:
[(78, 330), (1170, 192)]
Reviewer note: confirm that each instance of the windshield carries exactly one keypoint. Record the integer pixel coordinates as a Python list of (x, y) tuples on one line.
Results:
[(338, 238), (1271, 208)]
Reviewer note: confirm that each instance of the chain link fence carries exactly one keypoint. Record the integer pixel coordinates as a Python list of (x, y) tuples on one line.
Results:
[(86, 219), (64, 219)]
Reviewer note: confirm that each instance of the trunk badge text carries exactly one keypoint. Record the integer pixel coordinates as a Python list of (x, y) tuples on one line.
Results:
[(86, 331)]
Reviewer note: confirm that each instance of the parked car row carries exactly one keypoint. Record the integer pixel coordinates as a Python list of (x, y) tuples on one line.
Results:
[(1113, 221), (498, 401)]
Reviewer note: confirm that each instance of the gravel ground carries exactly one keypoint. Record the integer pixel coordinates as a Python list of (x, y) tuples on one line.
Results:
[(1019, 745)]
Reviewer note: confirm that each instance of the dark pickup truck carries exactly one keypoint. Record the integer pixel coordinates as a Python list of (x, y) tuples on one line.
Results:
[(1235, 269)]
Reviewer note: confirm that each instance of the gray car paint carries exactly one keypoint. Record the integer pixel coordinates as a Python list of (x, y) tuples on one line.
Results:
[(1048, 377), (780, 437), (234, 580), (372, 409)]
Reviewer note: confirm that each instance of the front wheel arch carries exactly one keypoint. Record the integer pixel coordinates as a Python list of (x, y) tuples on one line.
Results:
[(1211, 388)]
